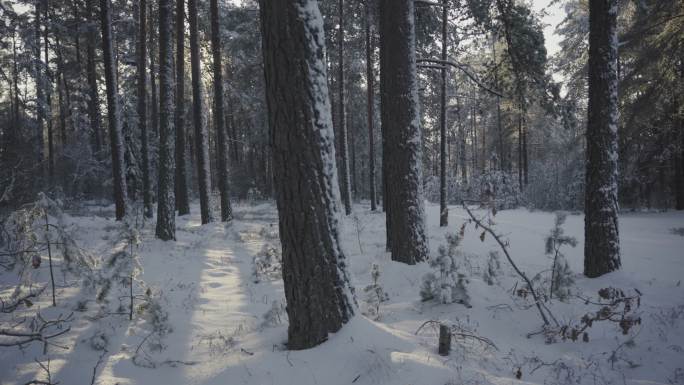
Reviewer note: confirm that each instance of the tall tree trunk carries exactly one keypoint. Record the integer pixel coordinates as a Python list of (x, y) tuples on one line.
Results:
[(48, 95), (319, 299), (201, 139), (142, 108), (181, 180), (602, 243), (219, 116), (40, 92), (400, 117), (91, 69), (520, 149), (679, 130), (166, 201), (115, 137), (370, 77), (154, 110), (345, 185), (443, 210), (463, 152)]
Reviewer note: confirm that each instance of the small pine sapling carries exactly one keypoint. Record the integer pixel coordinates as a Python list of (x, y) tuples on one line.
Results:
[(267, 264), (375, 294), (446, 283), (493, 271), (561, 275)]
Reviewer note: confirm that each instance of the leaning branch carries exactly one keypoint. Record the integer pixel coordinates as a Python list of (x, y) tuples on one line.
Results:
[(462, 68), (498, 240)]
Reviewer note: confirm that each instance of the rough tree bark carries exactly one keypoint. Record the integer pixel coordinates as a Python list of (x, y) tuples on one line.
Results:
[(319, 298), (443, 210), (115, 137), (345, 185), (370, 77), (602, 244), (166, 210), (201, 139), (142, 107), (181, 180), (401, 121), (219, 115)]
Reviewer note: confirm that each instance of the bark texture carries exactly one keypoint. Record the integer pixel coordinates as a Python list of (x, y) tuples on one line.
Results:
[(370, 78), (219, 115), (181, 180), (345, 185), (443, 210), (602, 245), (142, 107), (115, 137), (166, 210), (401, 123), (319, 298), (201, 139)]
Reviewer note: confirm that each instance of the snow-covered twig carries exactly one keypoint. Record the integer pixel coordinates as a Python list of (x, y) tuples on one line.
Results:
[(498, 240)]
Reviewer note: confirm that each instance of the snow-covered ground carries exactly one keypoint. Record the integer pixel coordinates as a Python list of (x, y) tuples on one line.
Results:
[(216, 331)]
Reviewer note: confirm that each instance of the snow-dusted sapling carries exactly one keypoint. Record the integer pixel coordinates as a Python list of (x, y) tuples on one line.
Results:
[(446, 283), (375, 294), (561, 275)]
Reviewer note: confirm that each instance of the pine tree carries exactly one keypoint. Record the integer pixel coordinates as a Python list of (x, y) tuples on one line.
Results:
[(166, 210), (602, 243), (345, 185), (443, 210), (91, 70), (401, 122), (314, 269), (201, 139), (181, 180), (142, 107), (370, 77), (219, 115), (115, 137)]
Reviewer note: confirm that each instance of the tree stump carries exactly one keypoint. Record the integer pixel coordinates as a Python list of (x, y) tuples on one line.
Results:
[(444, 340)]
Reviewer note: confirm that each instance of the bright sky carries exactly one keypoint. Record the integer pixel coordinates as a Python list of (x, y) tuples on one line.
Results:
[(554, 15)]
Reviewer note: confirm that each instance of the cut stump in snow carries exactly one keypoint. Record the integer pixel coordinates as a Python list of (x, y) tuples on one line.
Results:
[(444, 340)]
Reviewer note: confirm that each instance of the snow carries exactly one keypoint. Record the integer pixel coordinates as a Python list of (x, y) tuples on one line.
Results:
[(218, 334)]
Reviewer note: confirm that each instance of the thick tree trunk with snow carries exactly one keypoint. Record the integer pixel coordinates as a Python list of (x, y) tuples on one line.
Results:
[(166, 201), (401, 121), (345, 184), (201, 139), (219, 115), (602, 245), (319, 299), (39, 79), (181, 180), (115, 137), (443, 210), (370, 77), (679, 135), (91, 70), (142, 107)]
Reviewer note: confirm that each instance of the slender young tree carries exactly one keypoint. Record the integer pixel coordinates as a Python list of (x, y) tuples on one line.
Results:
[(219, 115), (166, 202), (115, 137), (142, 107), (345, 185), (91, 70), (181, 180), (370, 77), (443, 210), (401, 122), (201, 139), (602, 243), (319, 299), (40, 84)]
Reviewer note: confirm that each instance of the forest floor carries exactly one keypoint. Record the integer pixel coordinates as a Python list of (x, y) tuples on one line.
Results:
[(218, 323)]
